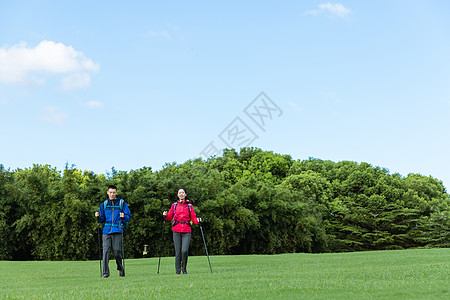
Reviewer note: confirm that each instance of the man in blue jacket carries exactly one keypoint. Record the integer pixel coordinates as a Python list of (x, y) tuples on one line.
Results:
[(114, 212)]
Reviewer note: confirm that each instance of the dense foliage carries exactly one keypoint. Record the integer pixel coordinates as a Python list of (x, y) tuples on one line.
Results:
[(253, 201)]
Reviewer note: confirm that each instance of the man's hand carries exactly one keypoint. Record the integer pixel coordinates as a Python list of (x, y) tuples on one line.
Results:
[(199, 220), (165, 213), (97, 214), (122, 215)]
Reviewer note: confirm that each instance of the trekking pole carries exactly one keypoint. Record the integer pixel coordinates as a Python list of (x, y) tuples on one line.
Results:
[(204, 242), (99, 247), (123, 250), (160, 246)]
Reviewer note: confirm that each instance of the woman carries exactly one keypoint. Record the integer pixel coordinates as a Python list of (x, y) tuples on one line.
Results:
[(182, 213)]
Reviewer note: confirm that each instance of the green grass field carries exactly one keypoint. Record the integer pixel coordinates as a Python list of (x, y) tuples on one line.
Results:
[(408, 274)]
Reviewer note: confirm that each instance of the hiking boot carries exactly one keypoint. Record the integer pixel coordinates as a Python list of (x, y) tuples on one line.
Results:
[(105, 276), (184, 271), (122, 273)]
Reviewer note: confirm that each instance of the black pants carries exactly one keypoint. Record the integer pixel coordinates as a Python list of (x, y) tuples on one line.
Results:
[(181, 242), (114, 240)]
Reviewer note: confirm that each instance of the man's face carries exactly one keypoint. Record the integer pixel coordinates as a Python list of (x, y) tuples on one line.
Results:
[(112, 193)]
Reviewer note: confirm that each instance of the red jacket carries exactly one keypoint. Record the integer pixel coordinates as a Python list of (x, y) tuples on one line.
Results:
[(182, 214)]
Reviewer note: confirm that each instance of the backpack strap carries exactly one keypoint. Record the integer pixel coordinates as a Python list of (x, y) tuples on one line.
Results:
[(175, 207), (183, 222), (175, 214), (121, 204)]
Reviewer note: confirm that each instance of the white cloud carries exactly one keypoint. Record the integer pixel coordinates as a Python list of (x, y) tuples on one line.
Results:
[(331, 9), (20, 64), (94, 104), (295, 107), (171, 31), (158, 34), (332, 96), (53, 116), (335, 9), (75, 81)]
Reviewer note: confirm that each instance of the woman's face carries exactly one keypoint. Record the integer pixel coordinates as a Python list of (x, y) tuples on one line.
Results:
[(181, 194)]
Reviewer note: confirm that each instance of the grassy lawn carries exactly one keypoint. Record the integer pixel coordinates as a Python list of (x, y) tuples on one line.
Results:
[(407, 274)]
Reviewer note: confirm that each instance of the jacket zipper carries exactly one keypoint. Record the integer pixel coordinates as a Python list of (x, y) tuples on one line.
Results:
[(112, 216)]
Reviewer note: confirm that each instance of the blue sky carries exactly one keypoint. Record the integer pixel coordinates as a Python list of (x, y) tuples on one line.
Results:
[(103, 84)]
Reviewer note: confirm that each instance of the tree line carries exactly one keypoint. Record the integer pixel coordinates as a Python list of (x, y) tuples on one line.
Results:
[(251, 202)]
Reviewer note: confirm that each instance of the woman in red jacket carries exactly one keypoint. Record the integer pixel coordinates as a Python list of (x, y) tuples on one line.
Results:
[(182, 213)]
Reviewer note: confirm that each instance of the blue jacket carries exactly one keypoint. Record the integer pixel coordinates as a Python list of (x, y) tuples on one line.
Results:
[(110, 215)]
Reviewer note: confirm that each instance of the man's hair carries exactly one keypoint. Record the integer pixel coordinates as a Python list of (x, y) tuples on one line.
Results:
[(112, 186)]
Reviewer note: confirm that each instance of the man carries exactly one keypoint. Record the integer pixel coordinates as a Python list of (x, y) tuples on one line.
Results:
[(114, 212)]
